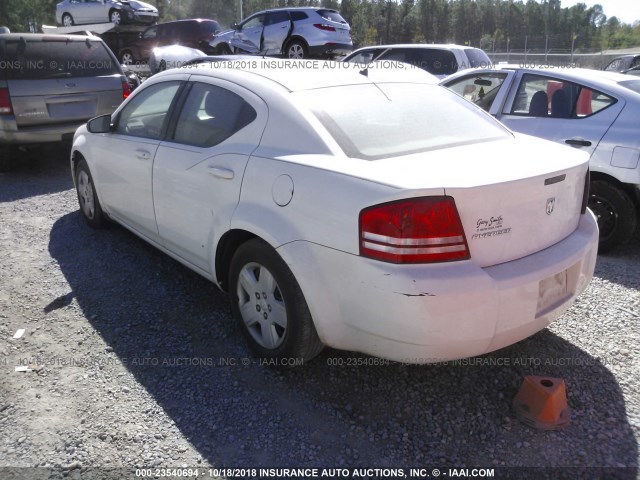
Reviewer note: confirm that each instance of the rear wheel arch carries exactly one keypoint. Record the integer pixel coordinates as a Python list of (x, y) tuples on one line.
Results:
[(629, 189), (295, 38), (615, 206), (227, 247)]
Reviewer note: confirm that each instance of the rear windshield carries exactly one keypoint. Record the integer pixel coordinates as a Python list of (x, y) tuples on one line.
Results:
[(477, 58), (25, 59), (331, 15), (388, 120), (631, 85)]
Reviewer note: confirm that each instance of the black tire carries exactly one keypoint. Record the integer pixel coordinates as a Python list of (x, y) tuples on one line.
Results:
[(116, 17), (297, 339), (615, 212), (69, 19), (223, 49), (296, 49), (85, 188)]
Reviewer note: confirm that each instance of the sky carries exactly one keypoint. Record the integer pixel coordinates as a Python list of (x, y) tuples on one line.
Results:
[(627, 11)]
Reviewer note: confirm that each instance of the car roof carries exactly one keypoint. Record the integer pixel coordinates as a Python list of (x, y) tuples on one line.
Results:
[(568, 73), (600, 79), (199, 20), (299, 75), (296, 8)]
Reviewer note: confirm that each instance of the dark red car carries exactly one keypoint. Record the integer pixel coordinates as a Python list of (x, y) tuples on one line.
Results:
[(189, 33)]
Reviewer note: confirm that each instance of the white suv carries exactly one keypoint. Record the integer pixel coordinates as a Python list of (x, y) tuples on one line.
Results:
[(438, 60), (292, 32)]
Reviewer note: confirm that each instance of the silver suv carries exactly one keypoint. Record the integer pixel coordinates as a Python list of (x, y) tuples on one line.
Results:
[(292, 32), (52, 84)]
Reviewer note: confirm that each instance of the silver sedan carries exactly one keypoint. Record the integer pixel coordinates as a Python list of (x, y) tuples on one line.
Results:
[(591, 110)]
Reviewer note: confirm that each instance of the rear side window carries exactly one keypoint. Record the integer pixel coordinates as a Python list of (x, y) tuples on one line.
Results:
[(59, 58), (332, 16), (297, 16), (210, 115), (366, 56), (433, 60), (477, 58)]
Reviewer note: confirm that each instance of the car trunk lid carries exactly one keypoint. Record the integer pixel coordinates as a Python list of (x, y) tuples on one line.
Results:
[(515, 197)]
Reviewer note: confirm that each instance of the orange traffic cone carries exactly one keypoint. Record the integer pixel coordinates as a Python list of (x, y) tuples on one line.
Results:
[(542, 403)]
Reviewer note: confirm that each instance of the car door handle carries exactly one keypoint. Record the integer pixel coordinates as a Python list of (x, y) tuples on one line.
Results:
[(143, 154), (578, 142), (220, 172)]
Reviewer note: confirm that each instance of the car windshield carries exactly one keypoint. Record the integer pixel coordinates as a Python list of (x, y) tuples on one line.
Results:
[(631, 85), (27, 59), (372, 122)]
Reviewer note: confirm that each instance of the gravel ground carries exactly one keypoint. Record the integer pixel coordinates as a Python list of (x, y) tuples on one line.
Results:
[(137, 362)]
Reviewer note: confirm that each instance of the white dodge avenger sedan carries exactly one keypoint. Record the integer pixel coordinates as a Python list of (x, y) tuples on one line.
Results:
[(366, 210)]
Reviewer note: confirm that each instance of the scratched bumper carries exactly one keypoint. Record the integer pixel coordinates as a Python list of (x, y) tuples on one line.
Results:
[(438, 312)]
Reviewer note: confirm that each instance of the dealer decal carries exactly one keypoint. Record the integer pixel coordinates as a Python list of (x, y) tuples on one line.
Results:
[(490, 227)]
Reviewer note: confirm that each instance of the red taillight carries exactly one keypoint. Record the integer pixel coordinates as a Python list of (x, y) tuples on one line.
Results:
[(126, 89), (325, 27), (416, 230), (5, 102)]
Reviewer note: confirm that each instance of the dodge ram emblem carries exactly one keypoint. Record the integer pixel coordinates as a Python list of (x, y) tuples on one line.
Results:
[(551, 203)]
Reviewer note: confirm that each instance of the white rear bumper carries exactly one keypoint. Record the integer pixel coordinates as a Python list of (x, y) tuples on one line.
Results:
[(438, 312)]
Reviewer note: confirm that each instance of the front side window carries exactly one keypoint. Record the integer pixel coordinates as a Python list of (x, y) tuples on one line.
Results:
[(479, 89), (253, 22), (146, 114), (398, 119), (210, 115), (539, 96)]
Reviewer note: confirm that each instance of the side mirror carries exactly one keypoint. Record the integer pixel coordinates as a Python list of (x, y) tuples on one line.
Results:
[(235, 26), (101, 124)]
